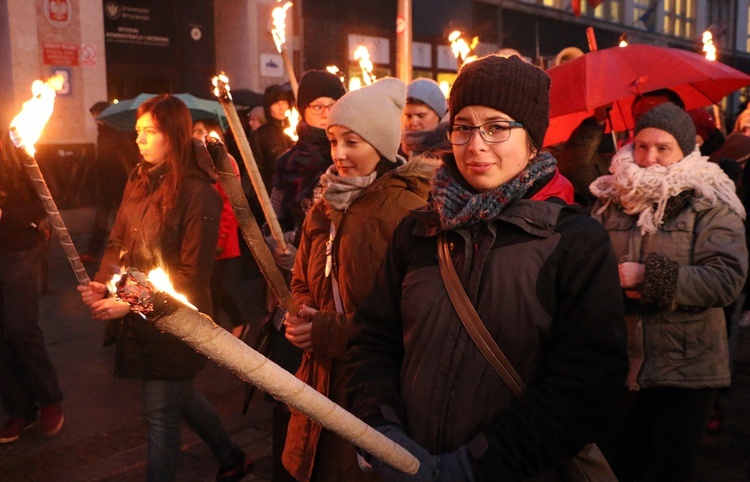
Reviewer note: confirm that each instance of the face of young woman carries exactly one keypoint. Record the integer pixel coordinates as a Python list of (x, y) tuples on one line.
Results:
[(152, 143), (316, 114), (654, 146), (486, 166), (351, 154)]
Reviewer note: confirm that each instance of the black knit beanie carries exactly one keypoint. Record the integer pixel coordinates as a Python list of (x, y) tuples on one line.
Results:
[(670, 118), (318, 83), (509, 85)]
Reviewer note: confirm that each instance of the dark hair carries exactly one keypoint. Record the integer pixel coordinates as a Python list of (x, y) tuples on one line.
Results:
[(211, 125), (668, 93), (172, 117)]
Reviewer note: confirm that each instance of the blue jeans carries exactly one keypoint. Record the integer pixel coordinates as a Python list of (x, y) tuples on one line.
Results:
[(27, 377), (166, 403)]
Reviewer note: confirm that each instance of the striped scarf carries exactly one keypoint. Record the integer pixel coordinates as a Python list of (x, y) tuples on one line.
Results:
[(457, 206)]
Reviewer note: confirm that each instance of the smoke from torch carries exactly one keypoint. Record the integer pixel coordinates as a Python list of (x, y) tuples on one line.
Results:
[(362, 55), (25, 130)]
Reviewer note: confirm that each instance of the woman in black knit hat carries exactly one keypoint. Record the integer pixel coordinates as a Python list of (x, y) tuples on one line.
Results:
[(539, 272), (676, 226)]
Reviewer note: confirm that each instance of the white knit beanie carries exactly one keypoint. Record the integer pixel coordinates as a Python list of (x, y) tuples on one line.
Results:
[(374, 113)]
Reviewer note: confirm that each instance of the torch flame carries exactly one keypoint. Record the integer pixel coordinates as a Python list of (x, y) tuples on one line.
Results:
[(362, 55), (336, 71), (708, 45), (291, 131), (158, 277), (221, 85), (279, 25), (27, 126), (458, 45)]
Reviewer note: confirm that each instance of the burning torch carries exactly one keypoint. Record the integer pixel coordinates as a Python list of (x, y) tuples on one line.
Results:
[(461, 48), (221, 90), (279, 38), (251, 232), (362, 55), (25, 130), (159, 305)]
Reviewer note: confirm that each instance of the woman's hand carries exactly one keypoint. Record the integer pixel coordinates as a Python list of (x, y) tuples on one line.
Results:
[(93, 292), (632, 277), (109, 309), (299, 328)]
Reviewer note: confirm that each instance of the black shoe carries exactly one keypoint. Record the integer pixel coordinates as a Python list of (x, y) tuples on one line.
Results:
[(236, 470)]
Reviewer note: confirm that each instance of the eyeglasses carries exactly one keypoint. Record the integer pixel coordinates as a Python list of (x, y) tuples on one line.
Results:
[(319, 108), (492, 132)]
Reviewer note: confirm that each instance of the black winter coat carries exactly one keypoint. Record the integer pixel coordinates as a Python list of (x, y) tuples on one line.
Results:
[(544, 280)]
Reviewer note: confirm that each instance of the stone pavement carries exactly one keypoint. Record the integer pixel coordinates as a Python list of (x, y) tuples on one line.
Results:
[(104, 437)]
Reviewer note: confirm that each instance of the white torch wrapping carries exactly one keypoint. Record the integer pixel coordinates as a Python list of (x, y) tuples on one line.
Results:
[(201, 333)]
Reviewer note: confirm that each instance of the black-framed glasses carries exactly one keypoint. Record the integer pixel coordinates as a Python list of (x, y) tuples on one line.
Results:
[(319, 108), (492, 132)]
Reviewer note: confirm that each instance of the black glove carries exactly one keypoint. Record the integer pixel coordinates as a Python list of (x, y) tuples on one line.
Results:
[(428, 464), (455, 466), (284, 260)]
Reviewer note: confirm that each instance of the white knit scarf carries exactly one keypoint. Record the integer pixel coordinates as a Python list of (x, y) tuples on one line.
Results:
[(340, 192), (645, 191)]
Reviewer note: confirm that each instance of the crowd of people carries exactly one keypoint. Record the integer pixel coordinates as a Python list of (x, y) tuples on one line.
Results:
[(494, 305)]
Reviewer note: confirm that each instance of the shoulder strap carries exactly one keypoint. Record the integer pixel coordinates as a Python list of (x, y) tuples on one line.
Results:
[(472, 322)]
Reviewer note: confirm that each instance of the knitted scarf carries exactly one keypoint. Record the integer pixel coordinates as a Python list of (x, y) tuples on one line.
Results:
[(646, 191), (340, 192), (458, 206)]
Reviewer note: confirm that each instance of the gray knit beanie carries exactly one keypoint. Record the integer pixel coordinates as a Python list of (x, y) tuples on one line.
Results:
[(670, 118), (428, 92), (509, 85), (374, 113)]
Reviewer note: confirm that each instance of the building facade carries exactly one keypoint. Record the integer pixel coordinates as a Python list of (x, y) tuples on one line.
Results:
[(115, 49)]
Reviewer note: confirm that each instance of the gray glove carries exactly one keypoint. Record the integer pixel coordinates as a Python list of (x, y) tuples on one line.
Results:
[(428, 464), (284, 260), (456, 466)]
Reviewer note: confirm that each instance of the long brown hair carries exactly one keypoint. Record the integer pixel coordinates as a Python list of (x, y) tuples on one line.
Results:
[(172, 117)]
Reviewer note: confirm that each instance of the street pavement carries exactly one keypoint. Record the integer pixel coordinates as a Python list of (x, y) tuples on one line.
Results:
[(104, 437)]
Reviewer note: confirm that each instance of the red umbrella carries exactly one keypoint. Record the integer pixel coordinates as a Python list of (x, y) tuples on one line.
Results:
[(617, 75)]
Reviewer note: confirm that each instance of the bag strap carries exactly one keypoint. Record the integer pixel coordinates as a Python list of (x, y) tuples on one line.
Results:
[(472, 322)]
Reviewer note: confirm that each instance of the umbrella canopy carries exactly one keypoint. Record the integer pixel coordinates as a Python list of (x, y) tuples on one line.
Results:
[(121, 116), (617, 75)]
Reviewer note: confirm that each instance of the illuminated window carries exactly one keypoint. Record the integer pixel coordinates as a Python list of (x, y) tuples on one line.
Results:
[(610, 10), (679, 18)]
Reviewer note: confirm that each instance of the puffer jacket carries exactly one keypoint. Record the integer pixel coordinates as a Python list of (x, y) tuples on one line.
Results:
[(184, 246), (696, 263), (543, 278), (362, 235)]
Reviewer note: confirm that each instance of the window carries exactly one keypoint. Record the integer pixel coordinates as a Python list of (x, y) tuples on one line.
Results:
[(610, 10), (679, 18), (644, 14)]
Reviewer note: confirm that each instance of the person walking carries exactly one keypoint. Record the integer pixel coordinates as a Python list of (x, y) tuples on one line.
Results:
[(367, 191), (677, 229), (29, 388), (296, 188), (169, 218), (539, 272)]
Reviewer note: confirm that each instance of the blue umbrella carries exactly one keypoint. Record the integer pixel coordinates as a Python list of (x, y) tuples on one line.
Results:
[(121, 116)]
